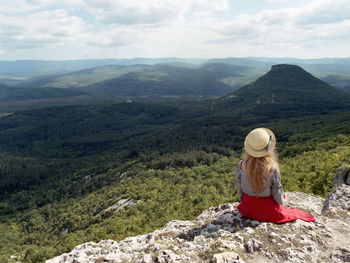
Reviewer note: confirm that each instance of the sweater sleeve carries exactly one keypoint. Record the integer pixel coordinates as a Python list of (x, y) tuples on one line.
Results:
[(238, 182), (276, 187)]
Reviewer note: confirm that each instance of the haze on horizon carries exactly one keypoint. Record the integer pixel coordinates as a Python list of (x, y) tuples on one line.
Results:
[(82, 29)]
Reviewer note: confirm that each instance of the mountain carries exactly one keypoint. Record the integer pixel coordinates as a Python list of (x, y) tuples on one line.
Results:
[(162, 79), (28, 68), (84, 77), (93, 75), (286, 89)]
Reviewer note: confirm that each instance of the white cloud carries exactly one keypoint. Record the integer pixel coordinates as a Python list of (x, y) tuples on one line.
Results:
[(202, 28), (24, 6), (19, 6), (291, 25), (148, 11), (324, 12), (109, 38), (45, 28), (278, 1)]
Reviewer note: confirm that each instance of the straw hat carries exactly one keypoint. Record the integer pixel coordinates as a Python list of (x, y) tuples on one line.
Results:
[(260, 142)]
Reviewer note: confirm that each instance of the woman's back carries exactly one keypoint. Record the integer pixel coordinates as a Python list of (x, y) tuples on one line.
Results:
[(273, 186)]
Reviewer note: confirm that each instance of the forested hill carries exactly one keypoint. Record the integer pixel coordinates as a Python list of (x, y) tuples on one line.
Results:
[(286, 90), (162, 80)]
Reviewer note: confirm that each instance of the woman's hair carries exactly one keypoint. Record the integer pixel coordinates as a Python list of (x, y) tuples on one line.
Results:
[(258, 169)]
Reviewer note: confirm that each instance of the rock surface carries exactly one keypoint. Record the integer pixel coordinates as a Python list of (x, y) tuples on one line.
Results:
[(220, 234), (121, 203)]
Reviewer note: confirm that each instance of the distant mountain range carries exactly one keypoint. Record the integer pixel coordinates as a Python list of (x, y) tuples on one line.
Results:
[(26, 68), (29, 68), (18, 72), (176, 77)]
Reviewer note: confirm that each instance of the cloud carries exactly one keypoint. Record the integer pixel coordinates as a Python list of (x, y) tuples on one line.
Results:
[(45, 28), (317, 20), (109, 39), (148, 11), (20, 6), (202, 28), (278, 1), (324, 12)]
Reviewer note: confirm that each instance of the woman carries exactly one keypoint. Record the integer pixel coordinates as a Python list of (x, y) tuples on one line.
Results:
[(258, 181)]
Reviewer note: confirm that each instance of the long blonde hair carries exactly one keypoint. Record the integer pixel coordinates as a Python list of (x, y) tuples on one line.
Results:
[(258, 169)]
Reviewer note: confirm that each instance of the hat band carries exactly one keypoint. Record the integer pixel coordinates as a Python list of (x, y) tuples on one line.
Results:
[(266, 149)]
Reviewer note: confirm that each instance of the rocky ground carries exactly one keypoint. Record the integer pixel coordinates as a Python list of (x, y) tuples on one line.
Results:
[(221, 234)]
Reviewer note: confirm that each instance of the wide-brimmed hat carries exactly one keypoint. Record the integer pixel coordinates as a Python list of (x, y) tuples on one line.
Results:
[(260, 142)]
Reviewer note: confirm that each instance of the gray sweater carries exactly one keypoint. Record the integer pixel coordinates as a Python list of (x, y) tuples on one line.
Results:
[(274, 186)]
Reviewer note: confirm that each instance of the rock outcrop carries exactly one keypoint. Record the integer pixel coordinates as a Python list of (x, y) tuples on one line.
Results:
[(220, 234)]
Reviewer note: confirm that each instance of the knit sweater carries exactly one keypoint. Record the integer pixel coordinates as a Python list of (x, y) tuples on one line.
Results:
[(273, 187)]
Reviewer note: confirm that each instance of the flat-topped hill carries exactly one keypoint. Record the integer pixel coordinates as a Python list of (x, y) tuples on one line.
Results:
[(287, 88)]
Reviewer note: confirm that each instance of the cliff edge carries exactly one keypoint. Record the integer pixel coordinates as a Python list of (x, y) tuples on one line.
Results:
[(220, 234)]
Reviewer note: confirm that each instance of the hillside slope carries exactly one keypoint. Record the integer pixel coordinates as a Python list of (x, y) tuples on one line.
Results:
[(14, 93), (83, 77), (162, 79)]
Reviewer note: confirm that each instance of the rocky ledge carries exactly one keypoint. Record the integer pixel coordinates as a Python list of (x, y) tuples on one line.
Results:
[(221, 234)]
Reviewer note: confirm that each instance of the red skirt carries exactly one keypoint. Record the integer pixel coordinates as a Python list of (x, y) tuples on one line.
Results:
[(267, 210)]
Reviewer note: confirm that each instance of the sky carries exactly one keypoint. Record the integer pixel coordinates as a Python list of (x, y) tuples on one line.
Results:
[(84, 29)]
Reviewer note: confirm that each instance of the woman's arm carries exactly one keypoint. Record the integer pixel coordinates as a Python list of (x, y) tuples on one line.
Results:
[(238, 182), (276, 187)]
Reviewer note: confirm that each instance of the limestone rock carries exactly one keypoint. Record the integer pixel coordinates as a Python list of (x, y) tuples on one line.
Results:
[(120, 204), (221, 234), (227, 257), (339, 198)]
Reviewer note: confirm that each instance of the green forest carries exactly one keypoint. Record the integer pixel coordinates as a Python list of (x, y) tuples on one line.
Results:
[(63, 168)]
